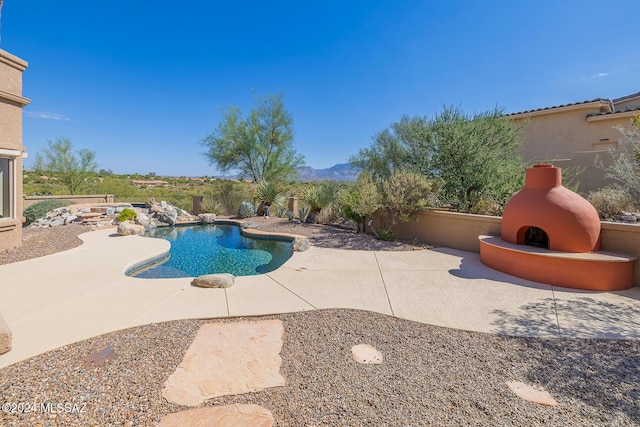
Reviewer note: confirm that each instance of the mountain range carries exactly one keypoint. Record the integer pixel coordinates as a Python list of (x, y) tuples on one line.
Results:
[(339, 172)]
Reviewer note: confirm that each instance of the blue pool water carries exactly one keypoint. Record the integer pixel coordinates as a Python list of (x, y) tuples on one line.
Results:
[(220, 248)]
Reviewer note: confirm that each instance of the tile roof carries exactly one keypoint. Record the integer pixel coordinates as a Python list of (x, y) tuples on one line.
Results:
[(624, 98), (589, 101)]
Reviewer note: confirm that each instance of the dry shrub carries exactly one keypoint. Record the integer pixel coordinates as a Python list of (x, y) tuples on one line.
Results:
[(611, 201)]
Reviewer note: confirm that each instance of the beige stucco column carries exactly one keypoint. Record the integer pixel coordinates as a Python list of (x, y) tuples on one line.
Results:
[(11, 149)]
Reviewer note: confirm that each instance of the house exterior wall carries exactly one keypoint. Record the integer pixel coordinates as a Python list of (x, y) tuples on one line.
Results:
[(11, 103), (574, 136)]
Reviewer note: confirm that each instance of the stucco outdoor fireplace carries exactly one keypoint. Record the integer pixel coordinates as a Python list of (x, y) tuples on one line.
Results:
[(552, 235)]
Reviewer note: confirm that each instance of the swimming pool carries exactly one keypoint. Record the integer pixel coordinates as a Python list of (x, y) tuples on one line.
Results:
[(219, 248)]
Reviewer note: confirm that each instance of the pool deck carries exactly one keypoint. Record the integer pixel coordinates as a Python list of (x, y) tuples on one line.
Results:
[(66, 297)]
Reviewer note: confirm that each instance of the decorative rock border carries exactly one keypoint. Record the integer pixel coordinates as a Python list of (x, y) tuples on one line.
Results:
[(5, 336)]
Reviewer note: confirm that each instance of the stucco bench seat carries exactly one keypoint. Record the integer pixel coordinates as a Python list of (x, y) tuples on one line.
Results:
[(595, 271)]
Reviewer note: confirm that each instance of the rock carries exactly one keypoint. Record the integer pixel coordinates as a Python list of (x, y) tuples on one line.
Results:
[(170, 215), (98, 358), (84, 215), (226, 359), (56, 222), (221, 280), (5, 336), (531, 394), (70, 219), (143, 219), (207, 218), (300, 244), (110, 211), (128, 229), (366, 354), (221, 416), (249, 224)]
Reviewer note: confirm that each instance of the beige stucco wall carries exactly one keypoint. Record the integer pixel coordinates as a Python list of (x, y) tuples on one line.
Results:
[(460, 231), (451, 229), (11, 103), (566, 136), (72, 199)]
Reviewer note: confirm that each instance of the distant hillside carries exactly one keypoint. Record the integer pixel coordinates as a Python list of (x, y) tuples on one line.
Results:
[(339, 172)]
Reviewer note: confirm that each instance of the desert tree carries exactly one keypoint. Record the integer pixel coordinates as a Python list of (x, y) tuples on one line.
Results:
[(258, 146), (471, 157), (71, 168)]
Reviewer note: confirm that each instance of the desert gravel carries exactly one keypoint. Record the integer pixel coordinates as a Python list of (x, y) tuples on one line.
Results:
[(430, 375)]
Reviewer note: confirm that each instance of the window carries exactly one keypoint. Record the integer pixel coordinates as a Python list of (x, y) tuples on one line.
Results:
[(6, 188)]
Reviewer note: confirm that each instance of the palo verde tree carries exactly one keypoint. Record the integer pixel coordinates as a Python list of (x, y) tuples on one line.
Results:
[(258, 146), (394, 148), (59, 160)]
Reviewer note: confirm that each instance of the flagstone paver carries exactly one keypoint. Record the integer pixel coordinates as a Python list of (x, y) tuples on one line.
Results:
[(228, 358), (220, 416)]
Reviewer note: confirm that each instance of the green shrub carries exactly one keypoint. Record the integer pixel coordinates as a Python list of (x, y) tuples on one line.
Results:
[(246, 210), (126, 215), (610, 201), (40, 209), (385, 234)]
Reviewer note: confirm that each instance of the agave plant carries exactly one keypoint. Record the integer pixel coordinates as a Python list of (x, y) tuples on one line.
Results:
[(246, 209), (303, 211)]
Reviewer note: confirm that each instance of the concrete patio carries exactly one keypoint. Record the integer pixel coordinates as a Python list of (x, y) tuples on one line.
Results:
[(59, 299)]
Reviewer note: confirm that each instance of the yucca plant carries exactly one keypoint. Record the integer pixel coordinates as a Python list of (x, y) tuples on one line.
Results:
[(320, 196), (267, 194)]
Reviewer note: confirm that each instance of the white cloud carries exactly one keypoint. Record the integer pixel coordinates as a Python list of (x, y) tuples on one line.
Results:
[(599, 75), (45, 115)]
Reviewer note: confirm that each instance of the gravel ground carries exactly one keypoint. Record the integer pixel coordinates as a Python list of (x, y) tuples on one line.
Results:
[(430, 375)]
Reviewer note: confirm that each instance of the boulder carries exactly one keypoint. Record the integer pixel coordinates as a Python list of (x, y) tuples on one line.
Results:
[(207, 218), (249, 224), (300, 244), (143, 219), (56, 222), (127, 228), (169, 215), (5, 336), (222, 280)]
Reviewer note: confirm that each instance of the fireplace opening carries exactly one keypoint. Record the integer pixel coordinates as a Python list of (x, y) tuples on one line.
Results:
[(535, 236)]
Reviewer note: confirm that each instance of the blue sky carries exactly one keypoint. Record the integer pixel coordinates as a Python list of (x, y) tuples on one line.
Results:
[(142, 82)]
